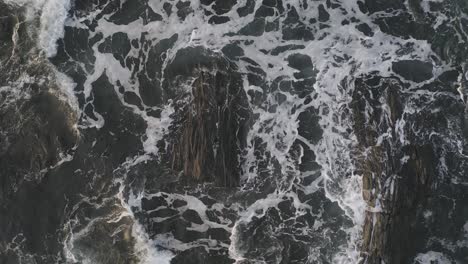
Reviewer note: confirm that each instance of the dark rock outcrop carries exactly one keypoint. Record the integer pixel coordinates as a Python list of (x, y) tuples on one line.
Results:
[(36, 126), (400, 169), (37, 132), (211, 121), (7, 26)]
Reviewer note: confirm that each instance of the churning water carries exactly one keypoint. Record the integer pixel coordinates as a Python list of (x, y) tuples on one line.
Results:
[(324, 86)]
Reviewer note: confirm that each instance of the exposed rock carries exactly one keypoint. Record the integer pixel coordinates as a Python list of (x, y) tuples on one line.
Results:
[(210, 125), (397, 179), (389, 235)]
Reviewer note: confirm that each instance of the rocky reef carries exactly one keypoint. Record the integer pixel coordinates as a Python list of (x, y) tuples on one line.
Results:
[(37, 129), (401, 182), (397, 179), (406, 170), (210, 123), (219, 132)]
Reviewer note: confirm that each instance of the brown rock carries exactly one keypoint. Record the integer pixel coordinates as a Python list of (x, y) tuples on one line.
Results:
[(208, 145), (392, 189)]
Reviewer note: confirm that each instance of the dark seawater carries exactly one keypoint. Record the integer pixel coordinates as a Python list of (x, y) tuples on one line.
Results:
[(233, 131)]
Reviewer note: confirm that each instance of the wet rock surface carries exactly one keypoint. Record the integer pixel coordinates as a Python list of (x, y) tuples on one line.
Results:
[(211, 128), (236, 131), (401, 181), (403, 178), (37, 131)]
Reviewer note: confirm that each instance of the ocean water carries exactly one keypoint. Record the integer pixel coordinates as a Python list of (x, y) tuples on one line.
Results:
[(316, 81)]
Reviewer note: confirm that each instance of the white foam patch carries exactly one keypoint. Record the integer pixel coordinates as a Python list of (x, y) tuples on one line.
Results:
[(157, 128), (145, 248), (53, 14), (66, 87), (431, 257), (12, 92)]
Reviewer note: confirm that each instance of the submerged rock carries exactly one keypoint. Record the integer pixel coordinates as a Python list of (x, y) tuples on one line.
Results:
[(37, 132), (7, 26), (36, 124)]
